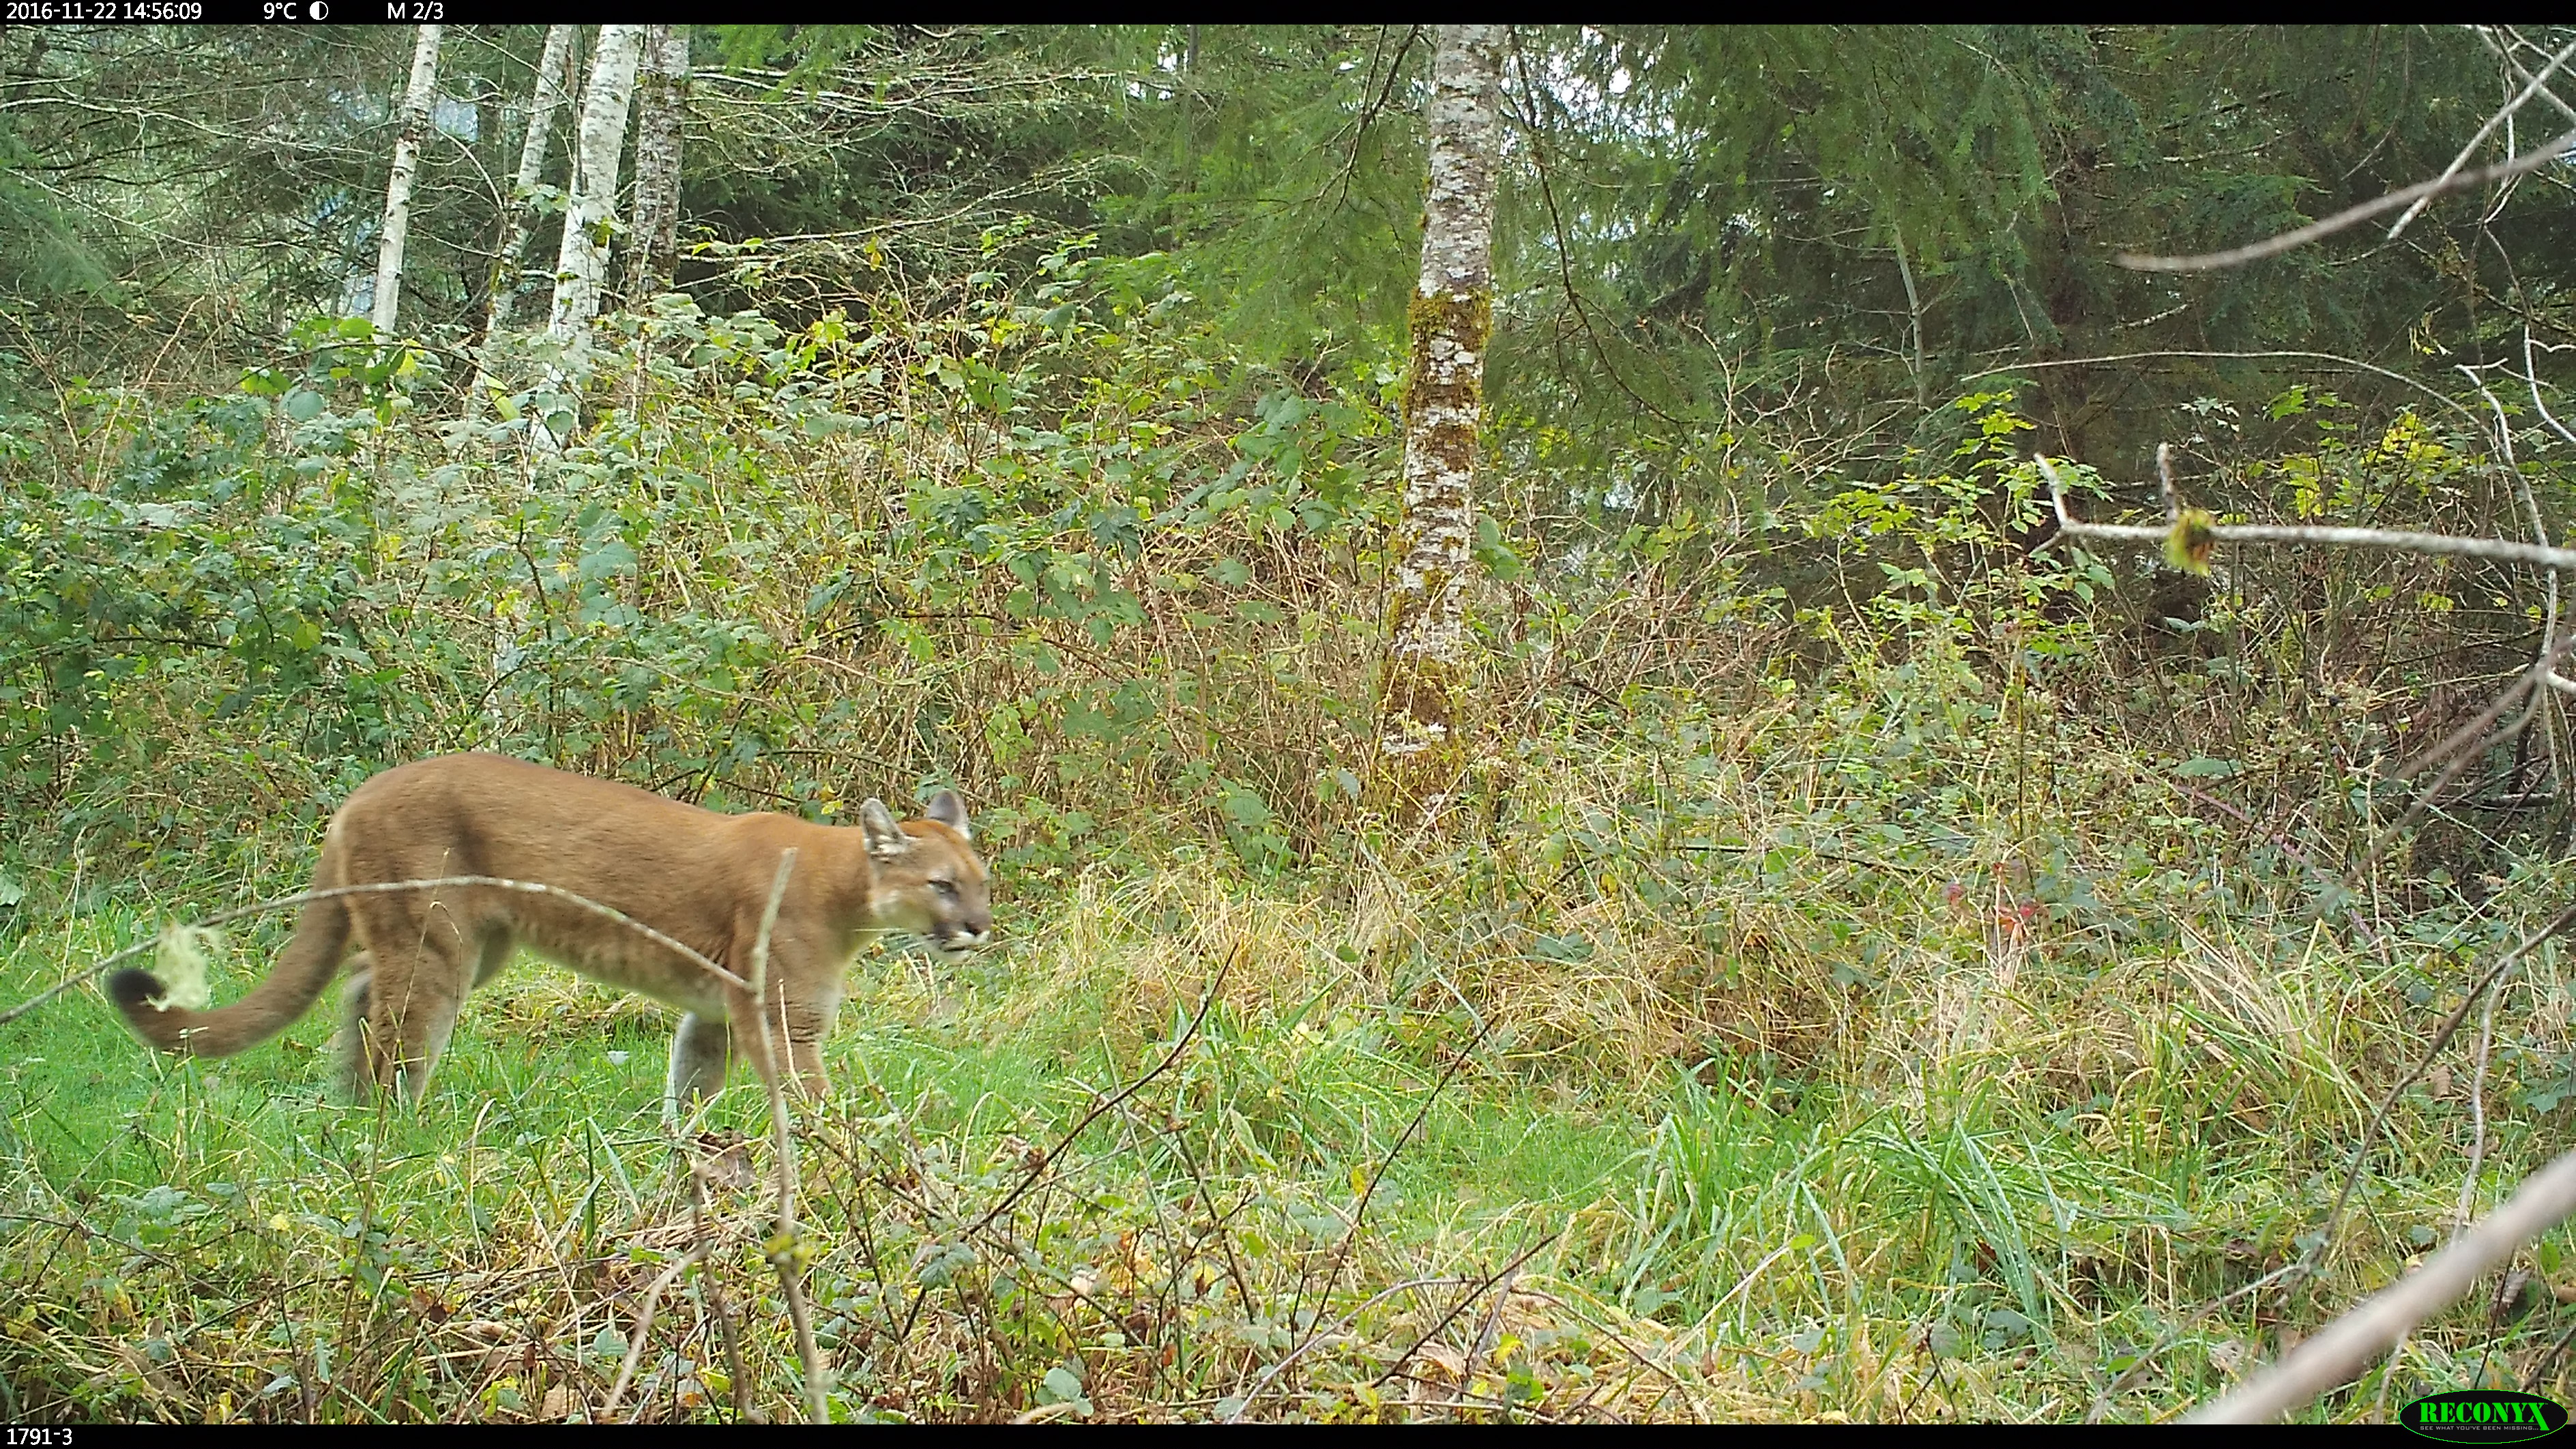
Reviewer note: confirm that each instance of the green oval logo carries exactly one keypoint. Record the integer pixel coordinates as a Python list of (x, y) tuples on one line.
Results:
[(2483, 1416)]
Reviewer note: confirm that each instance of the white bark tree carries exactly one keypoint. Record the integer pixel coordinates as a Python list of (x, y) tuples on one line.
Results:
[(582, 264), (653, 239), (413, 122), (554, 67), (501, 299), (1423, 678)]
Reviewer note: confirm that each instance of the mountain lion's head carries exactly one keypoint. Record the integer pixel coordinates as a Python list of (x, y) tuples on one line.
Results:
[(928, 879)]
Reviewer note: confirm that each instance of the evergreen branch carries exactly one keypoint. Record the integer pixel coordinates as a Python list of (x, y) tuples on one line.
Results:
[(1564, 252)]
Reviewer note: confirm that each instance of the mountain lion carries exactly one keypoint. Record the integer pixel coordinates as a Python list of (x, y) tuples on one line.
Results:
[(694, 875)]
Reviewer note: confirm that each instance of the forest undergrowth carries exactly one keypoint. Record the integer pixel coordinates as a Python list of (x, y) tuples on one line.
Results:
[(1932, 1003)]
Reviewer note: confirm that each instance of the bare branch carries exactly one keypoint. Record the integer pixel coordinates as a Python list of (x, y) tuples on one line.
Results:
[(784, 1254), (2453, 747), (611, 913), (2354, 363), (2531, 160), (2496, 550), (2505, 53), (2484, 131), (2348, 1344)]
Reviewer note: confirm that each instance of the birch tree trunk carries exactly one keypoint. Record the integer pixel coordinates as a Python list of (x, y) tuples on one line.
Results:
[(582, 264), (397, 228), (1423, 678), (554, 67), (653, 241), (501, 298)]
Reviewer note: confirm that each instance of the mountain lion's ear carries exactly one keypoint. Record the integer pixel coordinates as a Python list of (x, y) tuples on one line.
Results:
[(886, 839), (950, 811)]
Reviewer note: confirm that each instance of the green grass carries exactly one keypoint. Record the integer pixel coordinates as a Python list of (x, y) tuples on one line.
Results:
[(2001, 1193)]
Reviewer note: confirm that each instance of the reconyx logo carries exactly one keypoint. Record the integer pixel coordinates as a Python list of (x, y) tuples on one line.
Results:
[(2483, 1416)]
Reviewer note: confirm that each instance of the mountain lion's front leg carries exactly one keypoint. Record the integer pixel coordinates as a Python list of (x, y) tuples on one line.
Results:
[(795, 1030)]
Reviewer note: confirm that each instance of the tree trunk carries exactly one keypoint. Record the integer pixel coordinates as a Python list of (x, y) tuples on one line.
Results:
[(501, 299), (397, 227), (582, 264), (554, 67), (653, 243), (1422, 681)]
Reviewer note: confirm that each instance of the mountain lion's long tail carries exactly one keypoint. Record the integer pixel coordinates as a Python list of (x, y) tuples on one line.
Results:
[(307, 965)]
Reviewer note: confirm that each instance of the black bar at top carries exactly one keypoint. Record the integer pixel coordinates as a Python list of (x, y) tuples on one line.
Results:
[(22, 14)]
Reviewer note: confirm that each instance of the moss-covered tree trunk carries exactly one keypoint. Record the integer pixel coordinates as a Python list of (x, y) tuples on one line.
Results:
[(413, 123), (1422, 685)]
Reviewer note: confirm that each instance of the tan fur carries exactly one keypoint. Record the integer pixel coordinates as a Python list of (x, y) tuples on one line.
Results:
[(697, 876)]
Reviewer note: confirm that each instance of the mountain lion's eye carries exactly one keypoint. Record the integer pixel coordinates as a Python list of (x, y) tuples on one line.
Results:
[(943, 887)]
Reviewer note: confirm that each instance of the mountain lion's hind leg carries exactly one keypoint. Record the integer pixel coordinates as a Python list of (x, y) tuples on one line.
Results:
[(701, 1053), (422, 968)]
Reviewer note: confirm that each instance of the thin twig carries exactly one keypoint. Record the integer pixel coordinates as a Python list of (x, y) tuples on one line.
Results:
[(643, 1326), (1508, 1270), (1486, 1336), (738, 1382), (784, 1247), (2505, 54), (2477, 1114), (2345, 1346), (1359, 1214), (1616, 1337), (1359, 1209), (682, 949), (2521, 487), (2499, 118), (2465, 757), (2450, 745), (2356, 364), (2441, 1038), (1215, 985), (1347, 1319), (2351, 216)]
